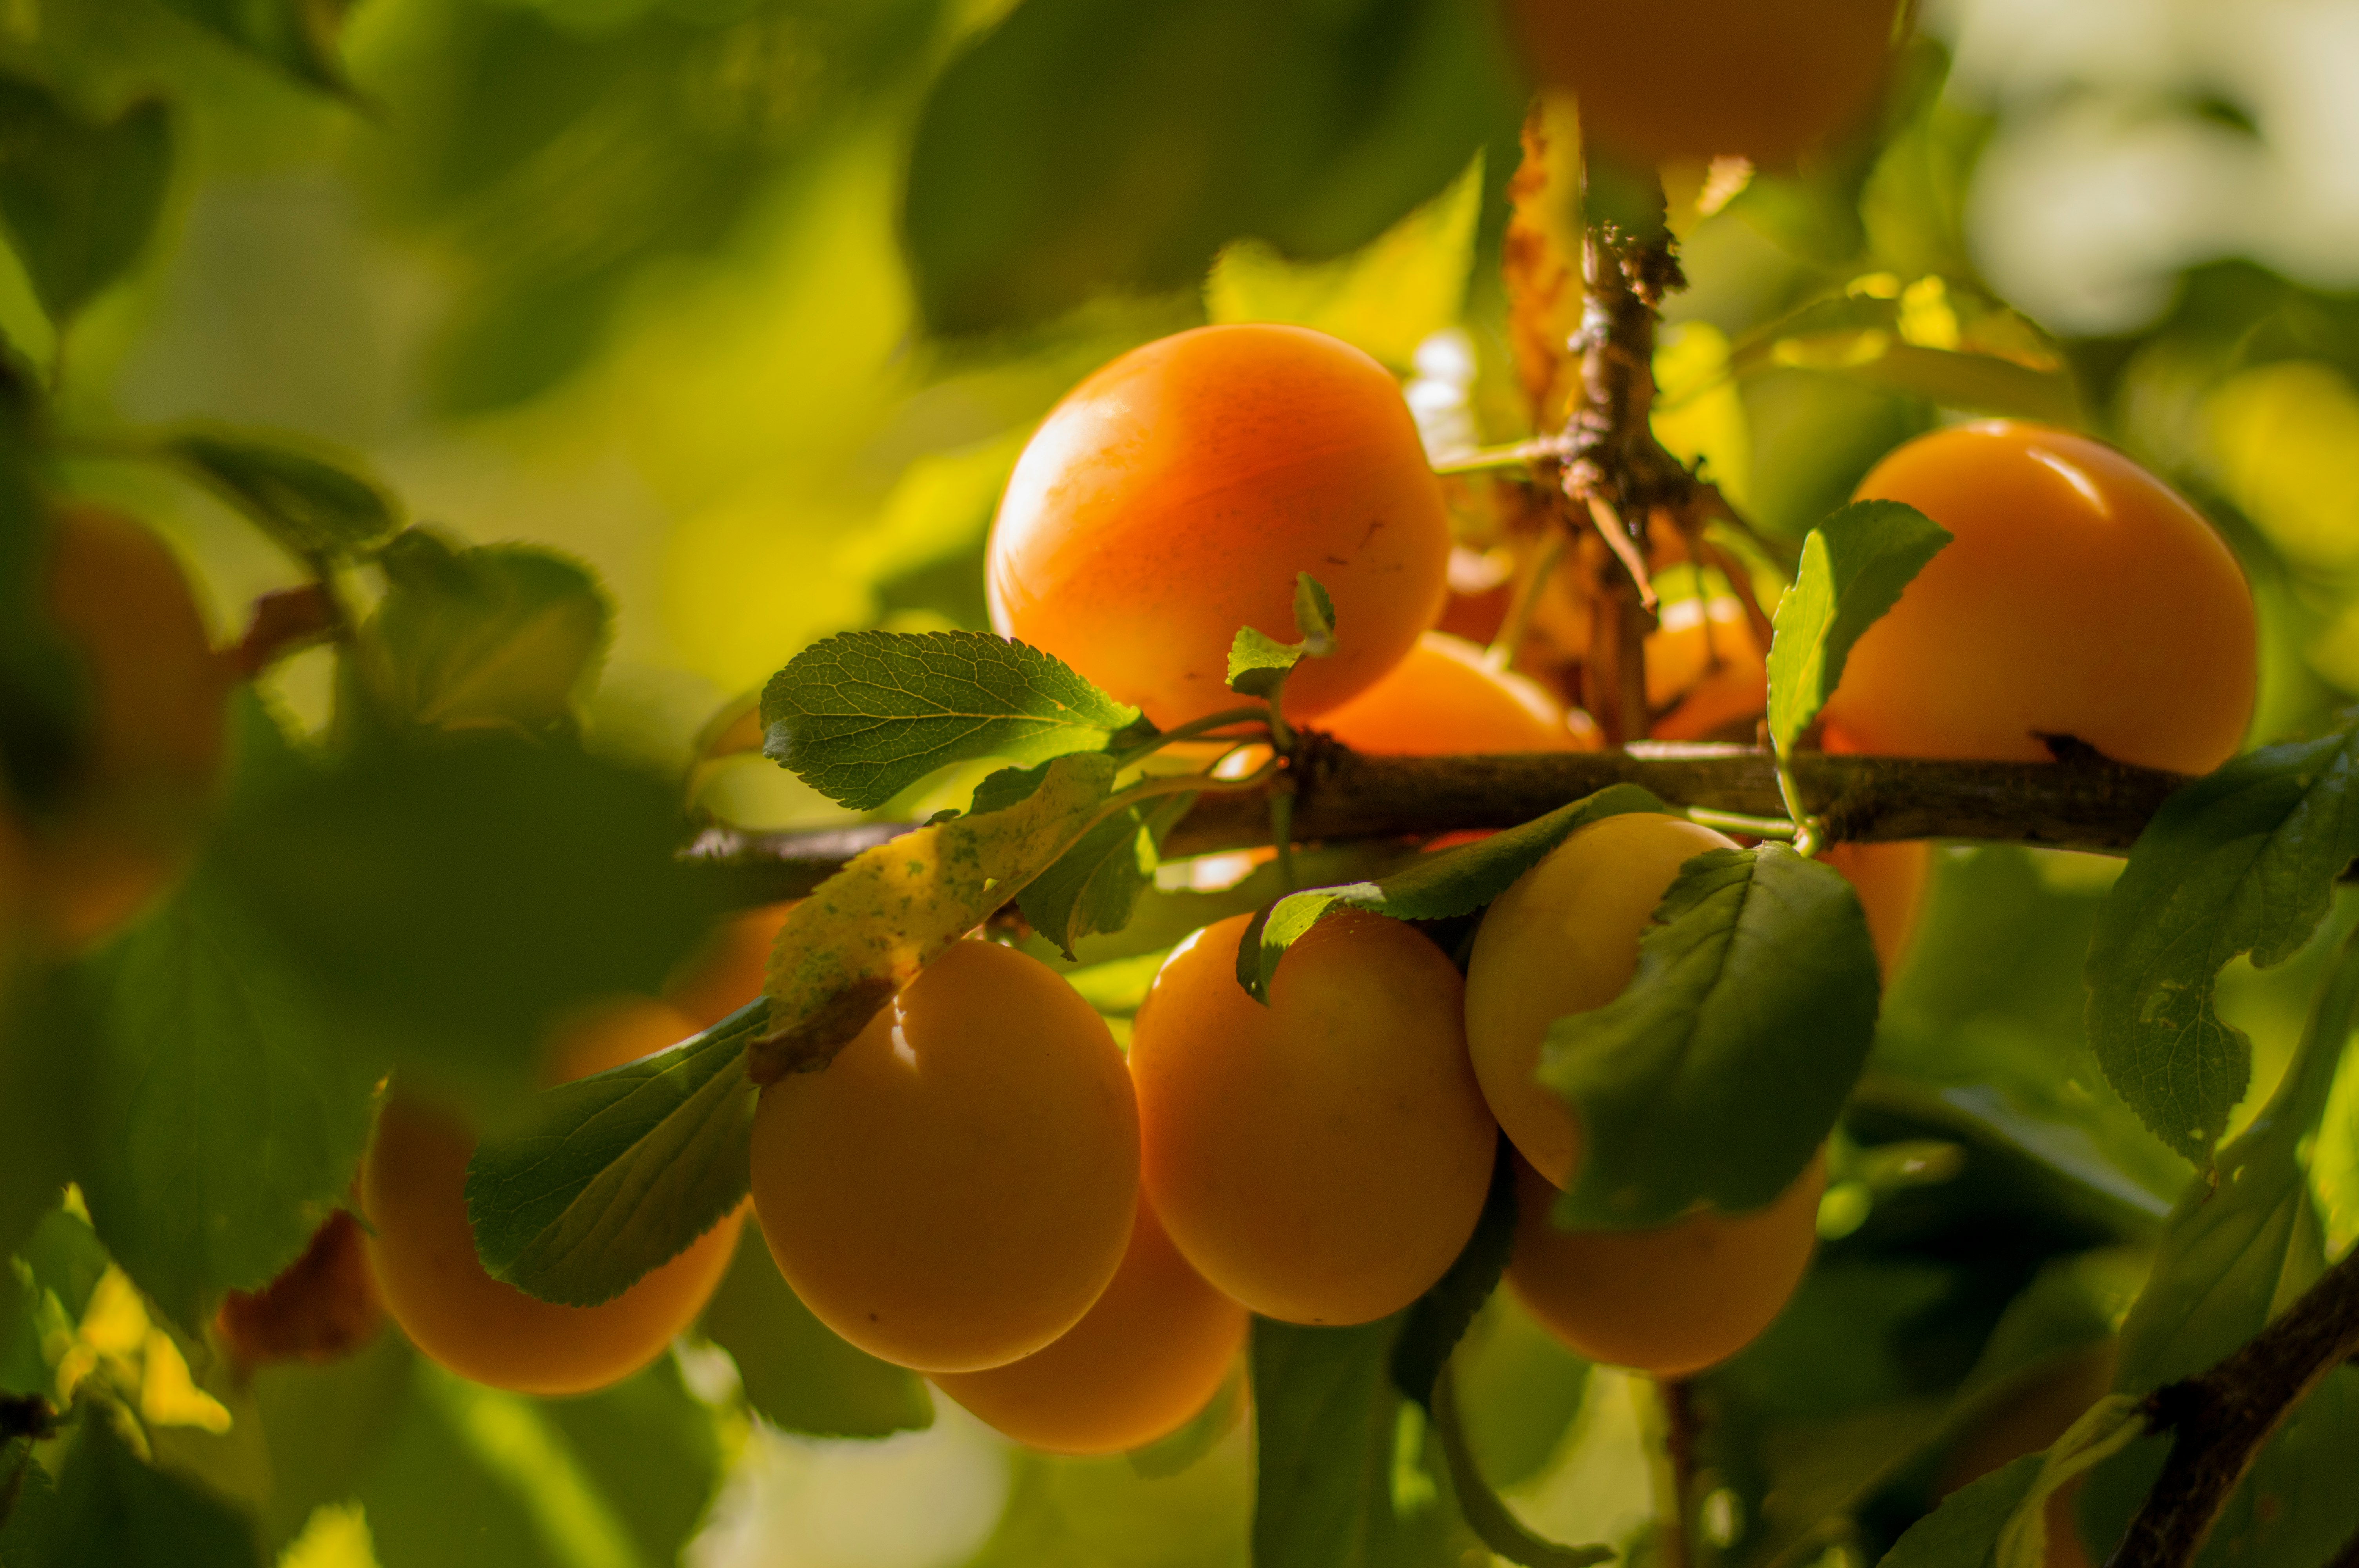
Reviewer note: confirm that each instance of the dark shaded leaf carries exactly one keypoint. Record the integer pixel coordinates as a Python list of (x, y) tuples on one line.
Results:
[(1323, 1425), (1095, 885), (798, 1374), (113, 1511), (80, 198), (299, 36), (312, 505), (1439, 1319), (505, 633)]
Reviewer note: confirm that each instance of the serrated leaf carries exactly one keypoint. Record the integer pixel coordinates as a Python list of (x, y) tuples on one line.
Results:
[(113, 1509), (1433, 888), (863, 715), (1854, 565), (865, 931), (2241, 861), (299, 36), (1439, 1319), (1722, 1067), (80, 198), (1095, 885), (797, 1373), (1259, 662), (1963, 1532), (1323, 1425), (505, 633), (313, 506), (613, 1176)]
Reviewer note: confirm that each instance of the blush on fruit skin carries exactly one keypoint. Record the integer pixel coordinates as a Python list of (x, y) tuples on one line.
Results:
[(955, 1189), (1323, 1158), (1670, 1301), (413, 1190), (1442, 701), (1172, 497), (1149, 1355), (2081, 596), (1770, 81)]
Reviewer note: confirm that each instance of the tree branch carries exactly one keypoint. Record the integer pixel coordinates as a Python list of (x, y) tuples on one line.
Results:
[(2077, 805), (2222, 1418)]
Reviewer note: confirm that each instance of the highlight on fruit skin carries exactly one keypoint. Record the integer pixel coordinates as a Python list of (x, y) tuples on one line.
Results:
[(1323, 1158), (1174, 496), (413, 1192), (1670, 1301), (2080, 597), (1146, 1359), (1442, 699), (956, 1188), (1563, 939), (323, 1307)]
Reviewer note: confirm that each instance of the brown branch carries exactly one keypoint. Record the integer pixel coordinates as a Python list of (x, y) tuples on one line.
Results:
[(2225, 1416), (2079, 804)]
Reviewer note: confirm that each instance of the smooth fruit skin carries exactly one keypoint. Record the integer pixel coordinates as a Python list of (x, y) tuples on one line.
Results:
[(1891, 880), (1670, 1301), (158, 706), (1442, 701), (1171, 498), (1704, 667), (1764, 80), (1323, 1158), (413, 1190), (955, 1189), (1147, 1357), (2081, 596), (1562, 940), (725, 970)]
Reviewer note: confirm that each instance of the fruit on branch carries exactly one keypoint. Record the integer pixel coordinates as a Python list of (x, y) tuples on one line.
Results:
[(1764, 80), (1670, 1301), (1148, 1355), (725, 972), (1891, 880), (1324, 1158), (1705, 673), (1173, 496), (322, 1307), (955, 1188), (1562, 940), (1442, 699), (413, 1190), (156, 696), (2082, 596)]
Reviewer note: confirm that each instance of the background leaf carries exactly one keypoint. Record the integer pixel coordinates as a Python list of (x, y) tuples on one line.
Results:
[(299, 36), (1854, 565), (797, 1373), (864, 716), (1722, 1067), (81, 197), (1963, 1532), (1459, 881), (2244, 861), (111, 1508), (1095, 885), (499, 634), (1439, 1319), (1323, 1425), (614, 1174), (313, 506)]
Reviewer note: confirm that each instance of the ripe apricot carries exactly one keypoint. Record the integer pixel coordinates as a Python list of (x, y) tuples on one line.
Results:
[(955, 1189), (1143, 1360), (157, 701), (1321, 1159), (322, 1307), (1764, 80), (413, 1190), (1705, 665), (1890, 880), (1669, 1301), (1171, 498), (1442, 699), (1562, 940), (2081, 596), (725, 972)]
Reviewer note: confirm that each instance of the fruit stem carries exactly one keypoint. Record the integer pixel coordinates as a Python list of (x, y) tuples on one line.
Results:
[(1515, 454), (1738, 822), (1256, 713)]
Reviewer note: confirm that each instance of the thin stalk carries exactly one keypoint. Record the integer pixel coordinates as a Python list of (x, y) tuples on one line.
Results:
[(1502, 651), (1255, 714), (1738, 822), (1514, 455)]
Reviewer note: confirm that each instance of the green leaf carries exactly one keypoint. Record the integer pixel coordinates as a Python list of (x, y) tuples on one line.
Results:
[(324, 1426), (50, 1279), (27, 1524), (1484, 1512), (1259, 662), (1439, 1319), (863, 715), (113, 1511), (1431, 888), (312, 505), (614, 1174), (1722, 1067), (1963, 1532), (798, 1374), (651, 1452), (81, 197), (2244, 861), (299, 36), (1078, 149), (501, 634), (1854, 565), (1095, 885), (466, 1476), (228, 1112), (1314, 615), (1324, 1426)]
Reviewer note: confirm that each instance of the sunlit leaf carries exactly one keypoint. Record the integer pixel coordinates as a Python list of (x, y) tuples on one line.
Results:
[(1855, 566)]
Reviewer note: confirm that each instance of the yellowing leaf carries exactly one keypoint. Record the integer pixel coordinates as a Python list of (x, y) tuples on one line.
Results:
[(2284, 440), (169, 1396), (870, 927)]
